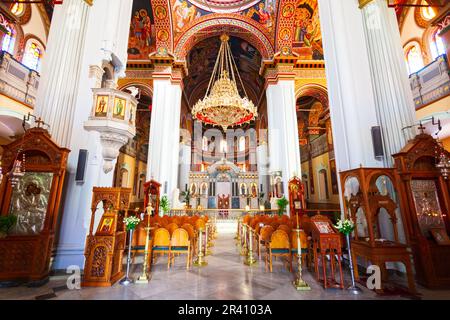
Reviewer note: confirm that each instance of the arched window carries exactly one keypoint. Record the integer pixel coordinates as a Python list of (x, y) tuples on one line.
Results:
[(9, 40), (427, 13), (242, 144), (18, 8), (33, 55), (414, 59), (437, 45)]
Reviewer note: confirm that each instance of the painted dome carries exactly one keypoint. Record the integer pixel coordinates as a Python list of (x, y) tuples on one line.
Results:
[(224, 6)]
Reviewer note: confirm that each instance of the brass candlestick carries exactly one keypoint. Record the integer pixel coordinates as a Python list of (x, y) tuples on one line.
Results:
[(200, 262), (238, 232), (208, 228), (299, 283), (250, 259), (145, 276), (244, 240)]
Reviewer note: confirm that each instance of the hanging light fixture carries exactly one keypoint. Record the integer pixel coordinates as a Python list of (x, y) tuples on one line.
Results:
[(443, 161), (222, 105)]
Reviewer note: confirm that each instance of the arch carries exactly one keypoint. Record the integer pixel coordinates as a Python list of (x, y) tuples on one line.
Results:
[(413, 56), (314, 90), (141, 84), (33, 43), (209, 26)]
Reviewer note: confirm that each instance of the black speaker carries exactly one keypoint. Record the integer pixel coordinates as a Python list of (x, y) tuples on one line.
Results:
[(377, 142), (81, 165)]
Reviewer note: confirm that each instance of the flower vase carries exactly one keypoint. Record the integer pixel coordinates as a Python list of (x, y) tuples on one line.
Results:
[(353, 288), (126, 281)]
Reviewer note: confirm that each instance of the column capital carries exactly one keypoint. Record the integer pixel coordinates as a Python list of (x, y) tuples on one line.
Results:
[(281, 68), (168, 68), (89, 2), (363, 3)]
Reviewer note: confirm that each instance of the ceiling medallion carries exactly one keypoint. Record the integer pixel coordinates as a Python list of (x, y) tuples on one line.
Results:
[(222, 105)]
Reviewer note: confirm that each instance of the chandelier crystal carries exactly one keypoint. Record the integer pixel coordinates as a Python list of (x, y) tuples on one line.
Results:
[(222, 105)]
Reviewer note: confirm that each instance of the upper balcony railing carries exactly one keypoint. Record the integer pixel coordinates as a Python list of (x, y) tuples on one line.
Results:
[(431, 83), (17, 81)]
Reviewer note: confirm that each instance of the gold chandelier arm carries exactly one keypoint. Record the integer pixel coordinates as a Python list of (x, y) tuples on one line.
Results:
[(239, 76), (213, 74)]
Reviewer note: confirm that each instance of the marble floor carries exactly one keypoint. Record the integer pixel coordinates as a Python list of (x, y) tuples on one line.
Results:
[(225, 277)]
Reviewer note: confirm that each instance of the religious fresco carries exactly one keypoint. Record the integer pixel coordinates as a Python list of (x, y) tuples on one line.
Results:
[(142, 39), (185, 11), (306, 34)]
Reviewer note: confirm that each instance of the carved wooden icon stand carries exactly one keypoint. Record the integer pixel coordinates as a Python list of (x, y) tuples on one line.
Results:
[(366, 204), (104, 249), (25, 253), (326, 241), (425, 196), (297, 204)]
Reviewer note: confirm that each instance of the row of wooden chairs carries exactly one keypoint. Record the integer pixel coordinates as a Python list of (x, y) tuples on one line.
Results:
[(277, 235), (174, 236)]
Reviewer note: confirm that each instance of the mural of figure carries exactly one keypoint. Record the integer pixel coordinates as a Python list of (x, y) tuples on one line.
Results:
[(183, 14), (262, 14), (146, 29)]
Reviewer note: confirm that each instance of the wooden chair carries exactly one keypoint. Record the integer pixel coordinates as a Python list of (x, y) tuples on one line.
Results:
[(275, 225), (192, 237), (286, 228), (279, 246), (180, 244), (171, 227), (264, 237), (161, 244)]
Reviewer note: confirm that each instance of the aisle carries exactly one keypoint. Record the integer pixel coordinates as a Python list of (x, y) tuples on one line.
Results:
[(225, 277)]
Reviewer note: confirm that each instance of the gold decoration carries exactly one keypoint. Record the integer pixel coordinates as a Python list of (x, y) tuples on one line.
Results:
[(222, 105)]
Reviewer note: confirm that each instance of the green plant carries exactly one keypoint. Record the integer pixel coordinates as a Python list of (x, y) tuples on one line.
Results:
[(164, 204), (345, 226), (187, 196), (131, 222), (6, 223), (282, 204)]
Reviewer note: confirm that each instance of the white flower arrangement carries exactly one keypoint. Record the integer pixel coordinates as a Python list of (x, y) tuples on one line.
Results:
[(131, 222), (345, 226)]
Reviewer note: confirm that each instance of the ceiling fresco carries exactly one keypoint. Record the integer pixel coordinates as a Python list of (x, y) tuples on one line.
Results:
[(184, 12), (175, 26)]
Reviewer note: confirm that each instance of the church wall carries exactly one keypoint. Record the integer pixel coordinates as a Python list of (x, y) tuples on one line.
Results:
[(35, 26), (319, 163)]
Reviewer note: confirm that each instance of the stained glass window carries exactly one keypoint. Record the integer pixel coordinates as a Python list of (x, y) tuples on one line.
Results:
[(17, 8), (437, 45), (9, 40), (32, 56), (414, 59)]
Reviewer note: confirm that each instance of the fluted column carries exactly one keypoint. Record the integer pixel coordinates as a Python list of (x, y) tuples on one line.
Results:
[(58, 88), (393, 97), (76, 51), (164, 138), (284, 150), (262, 162)]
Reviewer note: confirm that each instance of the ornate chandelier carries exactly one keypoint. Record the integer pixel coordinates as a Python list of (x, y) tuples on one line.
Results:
[(222, 105)]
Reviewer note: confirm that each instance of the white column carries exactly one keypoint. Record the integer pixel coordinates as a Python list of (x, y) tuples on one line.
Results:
[(163, 151), (393, 96), (263, 168), (185, 165), (76, 43), (352, 104), (284, 150)]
